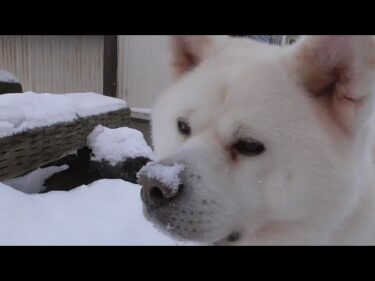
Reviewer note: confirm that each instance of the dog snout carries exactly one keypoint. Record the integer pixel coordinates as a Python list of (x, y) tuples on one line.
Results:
[(155, 193), (160, 183)]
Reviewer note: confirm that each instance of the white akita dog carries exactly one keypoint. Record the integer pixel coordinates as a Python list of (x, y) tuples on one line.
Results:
[(276, 143)]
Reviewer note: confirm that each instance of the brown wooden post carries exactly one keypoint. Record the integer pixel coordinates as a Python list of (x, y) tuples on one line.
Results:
[(110, 66)]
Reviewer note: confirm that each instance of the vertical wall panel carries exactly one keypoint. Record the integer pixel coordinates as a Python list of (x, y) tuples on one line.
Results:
[(143, 68), (55, 64)]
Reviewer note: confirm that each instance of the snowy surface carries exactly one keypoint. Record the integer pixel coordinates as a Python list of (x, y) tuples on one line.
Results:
[(19, 112), (5, 76), (34, 182), (141, 110), (141, 113), (107, 212), (168, 175), (116, 145)]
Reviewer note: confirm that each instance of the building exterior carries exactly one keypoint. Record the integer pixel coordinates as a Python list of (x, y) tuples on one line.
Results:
[(271, 39), (276, 39), (56, 64), (135, 68), (289, 39)]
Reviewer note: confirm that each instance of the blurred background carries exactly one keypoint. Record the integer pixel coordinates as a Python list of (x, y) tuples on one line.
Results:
[(134, 68)]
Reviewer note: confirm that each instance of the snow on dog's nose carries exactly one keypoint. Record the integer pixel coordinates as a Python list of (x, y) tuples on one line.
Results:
[(160, 183)]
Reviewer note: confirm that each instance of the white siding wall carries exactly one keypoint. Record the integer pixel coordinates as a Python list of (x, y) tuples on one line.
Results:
[(62, 64), (55, 64), (143, 68)]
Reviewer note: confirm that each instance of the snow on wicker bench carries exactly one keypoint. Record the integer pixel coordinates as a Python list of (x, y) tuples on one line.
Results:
[(36, 129), (110, 154), (9, 83)]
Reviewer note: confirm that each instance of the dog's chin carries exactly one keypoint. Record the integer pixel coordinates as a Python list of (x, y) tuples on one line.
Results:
[(228, 240), (162, 227), (163, 224)]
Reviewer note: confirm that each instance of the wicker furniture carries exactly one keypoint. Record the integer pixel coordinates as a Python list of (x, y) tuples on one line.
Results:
[(10, 87), (31, 149)]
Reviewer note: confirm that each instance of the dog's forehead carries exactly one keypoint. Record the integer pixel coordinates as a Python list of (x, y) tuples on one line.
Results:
[(232, 75), (257, 81), (248, 82), (254, 83)]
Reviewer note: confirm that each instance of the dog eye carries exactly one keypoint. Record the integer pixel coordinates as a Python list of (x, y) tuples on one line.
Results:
[(183, 127), (249, 147)]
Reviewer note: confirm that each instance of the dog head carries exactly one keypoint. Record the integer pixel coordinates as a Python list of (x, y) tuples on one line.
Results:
[(260, 136)]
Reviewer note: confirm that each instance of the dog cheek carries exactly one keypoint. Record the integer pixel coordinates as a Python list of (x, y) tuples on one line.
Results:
[(276, 195)]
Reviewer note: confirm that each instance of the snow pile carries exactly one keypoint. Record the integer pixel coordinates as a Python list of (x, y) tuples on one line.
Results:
[(7, 77), (19, 112), (117, 145), (167, 175), (107, 212), (34, 182)]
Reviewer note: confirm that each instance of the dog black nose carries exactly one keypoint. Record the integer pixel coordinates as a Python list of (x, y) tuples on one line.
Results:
[(160, 183)]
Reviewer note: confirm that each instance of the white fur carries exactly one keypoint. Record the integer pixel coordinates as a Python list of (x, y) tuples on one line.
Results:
[(314, 183)]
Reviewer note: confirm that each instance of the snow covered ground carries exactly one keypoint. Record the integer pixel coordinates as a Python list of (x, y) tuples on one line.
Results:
[(19, 112), (106, 212)]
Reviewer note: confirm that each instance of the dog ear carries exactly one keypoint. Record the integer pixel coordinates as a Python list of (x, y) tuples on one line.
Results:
[(189, 51), (339, 69)]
